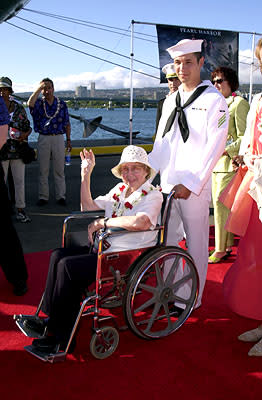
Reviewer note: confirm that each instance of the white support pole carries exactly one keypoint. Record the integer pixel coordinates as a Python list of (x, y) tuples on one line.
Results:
[(251, 69), (131, 84)]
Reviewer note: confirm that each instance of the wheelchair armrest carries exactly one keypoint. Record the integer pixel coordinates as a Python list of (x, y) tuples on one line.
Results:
[(111, 232), (85, 214), (120, 231), (78, 216)]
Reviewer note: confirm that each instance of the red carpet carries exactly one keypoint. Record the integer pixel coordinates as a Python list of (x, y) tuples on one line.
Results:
[(203, 360)]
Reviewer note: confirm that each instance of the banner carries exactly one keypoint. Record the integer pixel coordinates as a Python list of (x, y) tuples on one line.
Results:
[(220, 48)]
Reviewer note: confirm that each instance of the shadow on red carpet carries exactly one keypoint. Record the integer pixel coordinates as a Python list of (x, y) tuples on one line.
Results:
[(203, 360)]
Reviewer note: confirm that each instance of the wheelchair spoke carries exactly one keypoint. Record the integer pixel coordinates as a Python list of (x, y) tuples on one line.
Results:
[(158, 275), (148, 288), (181, 300), (169, 323), (170, 276), (143, 306), (176, 285), (100, 348), (153, 317)]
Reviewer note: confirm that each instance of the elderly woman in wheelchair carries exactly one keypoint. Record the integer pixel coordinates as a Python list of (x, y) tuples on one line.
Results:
[(151, 280)]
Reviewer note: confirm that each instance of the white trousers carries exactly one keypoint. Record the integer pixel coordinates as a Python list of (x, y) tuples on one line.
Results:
[(194, 214), (51, 146), (18, 172)]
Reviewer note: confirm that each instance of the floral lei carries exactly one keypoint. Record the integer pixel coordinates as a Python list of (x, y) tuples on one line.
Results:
[(118, 208)]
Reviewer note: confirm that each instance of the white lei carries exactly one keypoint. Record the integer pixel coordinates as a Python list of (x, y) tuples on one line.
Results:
[(56, 112)]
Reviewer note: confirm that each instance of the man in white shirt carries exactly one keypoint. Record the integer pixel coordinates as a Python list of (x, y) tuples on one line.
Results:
[(191, 137)]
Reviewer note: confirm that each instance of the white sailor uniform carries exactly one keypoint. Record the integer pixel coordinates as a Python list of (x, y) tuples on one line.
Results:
[(191, 163)]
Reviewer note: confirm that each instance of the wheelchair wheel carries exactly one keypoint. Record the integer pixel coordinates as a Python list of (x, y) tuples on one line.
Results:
[(103, 344), (161, 292)]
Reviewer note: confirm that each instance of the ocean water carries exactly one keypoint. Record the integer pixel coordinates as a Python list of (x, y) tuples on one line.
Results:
[(118, 118)]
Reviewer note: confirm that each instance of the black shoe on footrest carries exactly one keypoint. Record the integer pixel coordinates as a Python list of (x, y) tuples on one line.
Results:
[(50, 345), (37, 325)]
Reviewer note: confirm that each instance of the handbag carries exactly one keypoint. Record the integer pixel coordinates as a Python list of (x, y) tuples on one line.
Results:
[(14, 150), (26, 153)]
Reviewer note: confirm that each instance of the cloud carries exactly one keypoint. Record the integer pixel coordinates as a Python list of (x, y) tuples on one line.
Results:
[(245, 60), (115, 78), (118, 78)]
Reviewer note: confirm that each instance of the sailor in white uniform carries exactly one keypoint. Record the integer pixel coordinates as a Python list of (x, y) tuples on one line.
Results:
[(188, 144)]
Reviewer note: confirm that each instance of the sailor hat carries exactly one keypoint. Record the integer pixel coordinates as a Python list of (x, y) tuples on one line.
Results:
[(169, 71), (133, 154), (185, 46)]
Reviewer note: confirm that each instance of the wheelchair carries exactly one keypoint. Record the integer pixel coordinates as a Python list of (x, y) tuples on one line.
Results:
[(150, 284)]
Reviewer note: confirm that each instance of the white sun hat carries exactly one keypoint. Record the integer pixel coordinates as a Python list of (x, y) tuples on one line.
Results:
[(133, 154), (169, 71), (185, 46)]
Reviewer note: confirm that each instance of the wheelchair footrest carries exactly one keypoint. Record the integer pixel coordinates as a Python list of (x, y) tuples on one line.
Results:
[(20, 322), (52, 358)]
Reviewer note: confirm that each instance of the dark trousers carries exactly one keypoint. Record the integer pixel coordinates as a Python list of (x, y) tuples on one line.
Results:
[(71, 270), (11, 252)]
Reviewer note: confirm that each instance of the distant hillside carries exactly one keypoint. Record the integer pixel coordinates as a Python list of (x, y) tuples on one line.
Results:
[(141, 93)]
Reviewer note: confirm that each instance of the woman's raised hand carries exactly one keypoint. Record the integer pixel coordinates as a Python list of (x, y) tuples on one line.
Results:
[(88, 162)]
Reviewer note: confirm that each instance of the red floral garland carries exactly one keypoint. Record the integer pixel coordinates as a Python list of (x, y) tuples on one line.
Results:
[(116, 197)]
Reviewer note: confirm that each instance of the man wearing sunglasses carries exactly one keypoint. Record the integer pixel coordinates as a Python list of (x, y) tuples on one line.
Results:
[(191, 137)]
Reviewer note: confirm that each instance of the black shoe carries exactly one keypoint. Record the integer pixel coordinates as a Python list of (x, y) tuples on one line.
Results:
[(20, 288), (42, 202), (61, 202), (50, 344), (37, 325)]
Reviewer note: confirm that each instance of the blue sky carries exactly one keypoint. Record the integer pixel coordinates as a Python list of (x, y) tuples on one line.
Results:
[(26, 58)]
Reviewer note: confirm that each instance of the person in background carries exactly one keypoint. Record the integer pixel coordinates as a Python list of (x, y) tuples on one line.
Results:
[(11, 253), (173, 84), (242, 284), (51, 121), (226, 81), (19, 130), (133, 204), (191, 137)]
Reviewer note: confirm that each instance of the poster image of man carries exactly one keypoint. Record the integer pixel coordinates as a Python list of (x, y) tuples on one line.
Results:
[(220, 47)]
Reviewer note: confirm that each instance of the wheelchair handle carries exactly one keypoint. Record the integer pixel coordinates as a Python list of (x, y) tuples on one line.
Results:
[(166, 214)]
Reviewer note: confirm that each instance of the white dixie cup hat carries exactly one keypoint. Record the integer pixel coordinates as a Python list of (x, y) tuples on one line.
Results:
[(185, 46), (133, 154)]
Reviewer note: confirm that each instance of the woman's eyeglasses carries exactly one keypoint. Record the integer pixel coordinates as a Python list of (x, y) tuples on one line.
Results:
[(219, 81)]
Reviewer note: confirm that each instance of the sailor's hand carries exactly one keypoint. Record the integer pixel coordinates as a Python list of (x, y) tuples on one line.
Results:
[(88, 162), (181, 192), (237, 161)]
